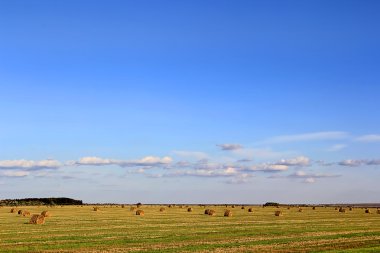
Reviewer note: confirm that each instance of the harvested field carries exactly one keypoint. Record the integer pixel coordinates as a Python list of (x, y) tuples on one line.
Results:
[(76, 229)]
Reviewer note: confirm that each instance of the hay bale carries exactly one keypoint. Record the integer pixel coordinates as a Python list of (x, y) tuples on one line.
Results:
[(140, 212), (122, 206), (170, 206), (300, 210), (227, 213), (211, 212), (96, 209), (288, 207), (336, 208), (278, 213), (189, 209), (37, 219), (207, 211), (133, 208), (162, 209), (242, 207), (19, 212), (367, 211), (233, 206), (378, 211), (13, 210), (313, 207), (342, 210), (46, 214), (25, 213), (350, 209), (250, 210)]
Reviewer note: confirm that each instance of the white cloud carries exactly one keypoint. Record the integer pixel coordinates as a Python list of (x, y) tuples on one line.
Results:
[(356, 163), (298, 161), (229, 146), (352, 163), (146, 161), (267, 167), (317, 136), (369, 138), (97, 161), (30, 164)]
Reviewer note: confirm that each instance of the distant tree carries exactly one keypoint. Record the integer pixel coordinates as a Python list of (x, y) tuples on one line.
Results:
[(271, 204)]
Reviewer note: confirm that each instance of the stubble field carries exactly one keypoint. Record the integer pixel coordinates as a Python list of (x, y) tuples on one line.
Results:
[(116, 229)]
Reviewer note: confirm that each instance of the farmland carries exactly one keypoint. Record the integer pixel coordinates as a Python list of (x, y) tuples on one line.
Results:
[(117, 229)]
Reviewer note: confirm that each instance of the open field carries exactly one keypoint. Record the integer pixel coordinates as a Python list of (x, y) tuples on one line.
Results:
[(116, 229)]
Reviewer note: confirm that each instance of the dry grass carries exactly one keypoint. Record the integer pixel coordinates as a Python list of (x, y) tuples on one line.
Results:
[(76, 229)]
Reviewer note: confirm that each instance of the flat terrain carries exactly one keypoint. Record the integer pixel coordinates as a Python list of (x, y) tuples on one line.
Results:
[(116, 229)]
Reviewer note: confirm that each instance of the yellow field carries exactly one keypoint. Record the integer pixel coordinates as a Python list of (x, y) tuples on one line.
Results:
[(116, 229)]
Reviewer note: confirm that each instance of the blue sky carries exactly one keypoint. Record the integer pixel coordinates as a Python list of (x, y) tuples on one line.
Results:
[(190, 101)]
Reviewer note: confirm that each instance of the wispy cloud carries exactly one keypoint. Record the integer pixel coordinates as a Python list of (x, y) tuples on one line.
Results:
[(229, 146), (12, 173), (306, 177), (30, 164), (369, 138), (192, 155), (356, 163), (317, 136), (336, 147)]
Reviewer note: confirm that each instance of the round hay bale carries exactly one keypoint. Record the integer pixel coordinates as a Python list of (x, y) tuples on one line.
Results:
[(140, 212), (342, 210), (122, 206), (278, 213), (19, 212), (250, 210), (37, 219), (367, 211), (207, 211), (336, 208), (227, 213), (313, 207), (162, 209), (13, 210), (378, 211), (46, 214), (233, 206), (170, 206), (133, 208), (25, 213), (96, 209), (300, 210), (211, 212), (189, 209), (242, 207), (288, 207)]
